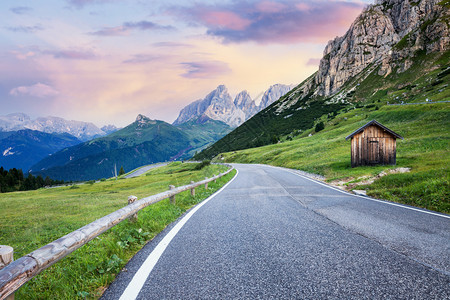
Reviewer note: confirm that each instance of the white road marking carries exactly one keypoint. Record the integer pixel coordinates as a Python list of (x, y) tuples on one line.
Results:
[(139, 279), (366, 198)]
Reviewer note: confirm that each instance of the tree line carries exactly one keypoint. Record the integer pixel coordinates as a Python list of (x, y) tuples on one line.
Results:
[(14, 180)]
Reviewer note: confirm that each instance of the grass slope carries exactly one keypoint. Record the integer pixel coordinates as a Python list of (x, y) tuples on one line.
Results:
[(427, 78), (426, 129), (29, 220)]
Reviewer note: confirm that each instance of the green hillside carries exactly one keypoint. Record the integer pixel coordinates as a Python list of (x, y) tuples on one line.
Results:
[(202, 132), (425, 149), (143, 142), (294, 113)]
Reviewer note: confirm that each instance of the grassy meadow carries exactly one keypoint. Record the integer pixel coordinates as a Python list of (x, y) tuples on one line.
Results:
[(425, 149), (29, 220)]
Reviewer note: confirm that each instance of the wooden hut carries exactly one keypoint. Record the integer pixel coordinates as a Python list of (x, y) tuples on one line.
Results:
[(373, 144)]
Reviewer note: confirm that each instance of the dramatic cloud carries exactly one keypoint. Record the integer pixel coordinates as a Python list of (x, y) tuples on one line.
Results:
[(25, 29), (20, 10), (127, 27), (267, 22), (205, 69), (72, 54), (39, 90)]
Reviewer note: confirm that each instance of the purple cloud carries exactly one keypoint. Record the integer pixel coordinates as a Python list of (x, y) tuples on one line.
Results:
[(38, 90), (274, 21), (20, 10), (72, 54), (127, 27), (205, 69), (171, 45), (26, 29), (82, 3), (142, 58)]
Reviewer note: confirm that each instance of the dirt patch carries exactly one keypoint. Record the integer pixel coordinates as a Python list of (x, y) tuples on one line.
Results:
[(347, 184)]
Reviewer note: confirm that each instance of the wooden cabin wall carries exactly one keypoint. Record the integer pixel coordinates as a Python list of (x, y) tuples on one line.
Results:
[(373, 146)]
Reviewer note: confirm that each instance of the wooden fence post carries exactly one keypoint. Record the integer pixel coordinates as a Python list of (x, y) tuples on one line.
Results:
[(172, 198), (215, 179), (192, 190), (206, 184), (132, 199), (6, 257)]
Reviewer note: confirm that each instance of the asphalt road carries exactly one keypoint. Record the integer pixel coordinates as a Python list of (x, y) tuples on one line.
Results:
[(274, 234), (144, 169)]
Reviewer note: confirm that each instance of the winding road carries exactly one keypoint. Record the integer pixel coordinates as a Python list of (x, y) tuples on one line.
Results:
[(272, 233)]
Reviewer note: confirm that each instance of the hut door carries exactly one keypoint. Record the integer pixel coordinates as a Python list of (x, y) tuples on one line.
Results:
[(374, 151)]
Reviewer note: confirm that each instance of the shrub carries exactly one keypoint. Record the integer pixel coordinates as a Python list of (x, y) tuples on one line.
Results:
[(319, 126), (203, 164)]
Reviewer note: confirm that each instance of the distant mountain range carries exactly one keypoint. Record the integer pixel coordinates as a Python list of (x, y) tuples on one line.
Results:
[(145, 141), (219, 105), (83, 131), (24, 148), (395, 51)]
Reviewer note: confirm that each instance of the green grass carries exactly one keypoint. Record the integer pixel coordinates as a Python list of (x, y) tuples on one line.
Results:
[(29, 220), (426, 129)]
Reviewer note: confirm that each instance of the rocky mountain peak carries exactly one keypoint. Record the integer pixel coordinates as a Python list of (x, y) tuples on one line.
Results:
[(389, 33), (219, 105)]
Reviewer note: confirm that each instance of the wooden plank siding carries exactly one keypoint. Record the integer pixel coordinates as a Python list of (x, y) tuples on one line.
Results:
[(373, 146)]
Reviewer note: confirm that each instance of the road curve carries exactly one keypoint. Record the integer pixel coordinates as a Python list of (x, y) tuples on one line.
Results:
[(144, 169), (272, 233)]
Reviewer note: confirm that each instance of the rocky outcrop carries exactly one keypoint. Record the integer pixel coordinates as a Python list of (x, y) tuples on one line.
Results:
[(388, 34), (274, 93), (218, 105), (245, 103)]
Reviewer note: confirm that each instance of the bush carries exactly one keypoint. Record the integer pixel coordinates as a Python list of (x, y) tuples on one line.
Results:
[(319, 126), (202, 164)]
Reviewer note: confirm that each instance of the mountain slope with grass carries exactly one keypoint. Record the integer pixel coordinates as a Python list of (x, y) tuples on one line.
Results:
[(424, 151), (395, 51), (145, 141)]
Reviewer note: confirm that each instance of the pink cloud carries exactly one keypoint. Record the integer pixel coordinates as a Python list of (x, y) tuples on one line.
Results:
[(282, 22), (38, 90), (224, 19)]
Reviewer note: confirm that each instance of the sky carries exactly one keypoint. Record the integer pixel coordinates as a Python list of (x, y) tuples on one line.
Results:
[(106, 61)]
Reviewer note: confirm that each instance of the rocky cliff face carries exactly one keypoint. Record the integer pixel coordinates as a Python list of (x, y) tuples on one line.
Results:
[(218, 105), (387, 33)]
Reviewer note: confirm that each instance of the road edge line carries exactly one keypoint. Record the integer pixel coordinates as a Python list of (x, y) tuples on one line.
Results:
[(366, 198), (140, 277)]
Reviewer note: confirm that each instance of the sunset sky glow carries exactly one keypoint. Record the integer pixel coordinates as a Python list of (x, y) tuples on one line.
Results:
[(106, 61)]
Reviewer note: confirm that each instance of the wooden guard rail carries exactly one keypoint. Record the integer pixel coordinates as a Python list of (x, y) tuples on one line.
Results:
[(14, 275)]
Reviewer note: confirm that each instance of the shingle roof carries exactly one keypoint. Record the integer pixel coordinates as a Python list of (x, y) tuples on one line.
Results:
[(374, 122)]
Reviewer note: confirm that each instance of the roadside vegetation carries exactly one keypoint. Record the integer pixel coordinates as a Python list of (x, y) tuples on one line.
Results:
[(29, 220), (425, 150)]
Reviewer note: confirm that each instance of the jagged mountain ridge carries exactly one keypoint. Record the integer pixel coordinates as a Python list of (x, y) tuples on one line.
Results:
[(395, 51), (82, 130), (219, 105)]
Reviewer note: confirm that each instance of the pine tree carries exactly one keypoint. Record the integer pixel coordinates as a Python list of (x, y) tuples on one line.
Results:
[(121, 171)]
